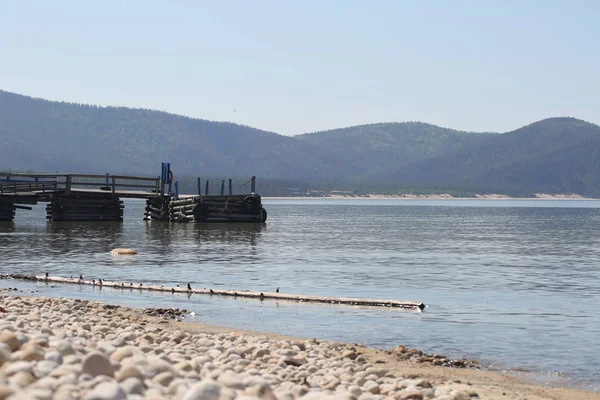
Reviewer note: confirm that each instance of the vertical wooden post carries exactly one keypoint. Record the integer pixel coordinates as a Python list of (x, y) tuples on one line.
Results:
[(68, 184), (222, 186), (107, 179), (253, 185), (206, 189), (113, 185), (176, 189), (169, 176), (230, 187), (199, 187), (163, 179)]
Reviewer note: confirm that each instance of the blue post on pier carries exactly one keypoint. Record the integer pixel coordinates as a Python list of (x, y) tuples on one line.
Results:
[(230, 187), (206, 189), (223, 187), (169, 176), (166, 176)]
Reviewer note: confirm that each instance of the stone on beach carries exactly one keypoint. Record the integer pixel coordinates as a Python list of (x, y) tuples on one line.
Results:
[(10, 339), (97, 364), (106, 391)]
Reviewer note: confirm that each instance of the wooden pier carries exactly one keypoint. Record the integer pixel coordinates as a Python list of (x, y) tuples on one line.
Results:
[(92, 197)]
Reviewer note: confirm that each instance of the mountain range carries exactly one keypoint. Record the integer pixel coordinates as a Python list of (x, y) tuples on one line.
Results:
[(555, 155)]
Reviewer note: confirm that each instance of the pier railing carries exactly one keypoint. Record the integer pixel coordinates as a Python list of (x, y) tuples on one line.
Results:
[(18, 183), (11, 183)]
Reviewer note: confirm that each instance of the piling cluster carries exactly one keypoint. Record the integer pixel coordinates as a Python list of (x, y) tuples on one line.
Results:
[(157, 209), (76, 349), (7, 211), (213, 208), (85, 207)]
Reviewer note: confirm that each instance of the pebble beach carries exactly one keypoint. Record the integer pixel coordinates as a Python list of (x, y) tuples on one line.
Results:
[(58, 348)]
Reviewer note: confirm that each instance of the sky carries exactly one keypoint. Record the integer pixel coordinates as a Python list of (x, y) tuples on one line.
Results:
[(301, 66)]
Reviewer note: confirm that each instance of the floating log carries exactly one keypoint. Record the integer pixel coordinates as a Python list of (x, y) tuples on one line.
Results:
[(410, 305)]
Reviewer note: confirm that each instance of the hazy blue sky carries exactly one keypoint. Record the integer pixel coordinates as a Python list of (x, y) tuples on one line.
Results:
[(298, 66)]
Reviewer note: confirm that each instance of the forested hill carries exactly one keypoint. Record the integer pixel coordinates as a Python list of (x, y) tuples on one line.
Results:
[(557, 155), (48, 136)]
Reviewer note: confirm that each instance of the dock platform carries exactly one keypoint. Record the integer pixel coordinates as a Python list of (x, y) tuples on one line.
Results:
[(93, 197)]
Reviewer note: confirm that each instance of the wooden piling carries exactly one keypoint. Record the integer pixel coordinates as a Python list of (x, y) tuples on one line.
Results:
[(157, 209), (410, 305), (217, 208), (7, 211), (85, 207), (84, 197)]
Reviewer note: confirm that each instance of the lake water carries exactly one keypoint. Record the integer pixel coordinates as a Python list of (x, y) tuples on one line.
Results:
[(512, 283)]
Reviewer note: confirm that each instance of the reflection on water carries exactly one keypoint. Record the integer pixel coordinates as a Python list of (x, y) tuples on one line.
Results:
[(165, 238), (74, 237), (512, 283)]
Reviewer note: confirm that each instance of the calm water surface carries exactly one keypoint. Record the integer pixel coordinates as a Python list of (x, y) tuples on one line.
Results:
[(512, 283)]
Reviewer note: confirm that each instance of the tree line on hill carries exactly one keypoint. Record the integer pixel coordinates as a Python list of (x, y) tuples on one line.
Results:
[(555, 155)]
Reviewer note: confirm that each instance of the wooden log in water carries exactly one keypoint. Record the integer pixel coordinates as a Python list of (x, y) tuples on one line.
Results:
[(411, 305), (154, 209), (175, 203), (157, 209), (157, 216), (18, 207), (189, 207), (178, 217)]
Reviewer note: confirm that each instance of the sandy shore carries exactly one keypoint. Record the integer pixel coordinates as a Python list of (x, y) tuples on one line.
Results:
[(57, 348)]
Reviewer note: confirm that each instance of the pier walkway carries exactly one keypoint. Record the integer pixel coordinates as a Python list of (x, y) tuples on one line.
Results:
[(93, 197)]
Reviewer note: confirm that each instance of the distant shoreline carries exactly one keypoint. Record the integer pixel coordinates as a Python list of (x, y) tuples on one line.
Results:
[(442, 196)]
